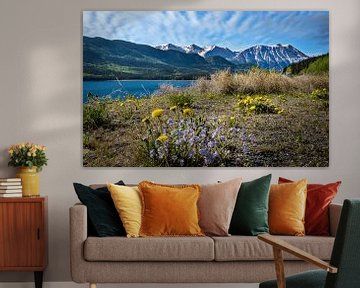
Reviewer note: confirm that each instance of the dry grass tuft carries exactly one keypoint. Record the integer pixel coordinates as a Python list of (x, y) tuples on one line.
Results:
[(263, 82), (309, 83), (222, 82), (258, 81)]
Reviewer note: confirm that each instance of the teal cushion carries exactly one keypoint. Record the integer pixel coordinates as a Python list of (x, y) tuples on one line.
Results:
[(250, 216), (309, 279)]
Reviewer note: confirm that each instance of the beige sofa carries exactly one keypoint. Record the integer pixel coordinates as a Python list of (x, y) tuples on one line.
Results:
[(234, 259)]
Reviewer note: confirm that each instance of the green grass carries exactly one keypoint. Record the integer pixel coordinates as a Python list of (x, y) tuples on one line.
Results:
[(180, 99), (95, 114)]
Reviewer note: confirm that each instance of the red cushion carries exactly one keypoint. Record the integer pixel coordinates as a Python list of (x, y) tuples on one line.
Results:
[(319, 197)]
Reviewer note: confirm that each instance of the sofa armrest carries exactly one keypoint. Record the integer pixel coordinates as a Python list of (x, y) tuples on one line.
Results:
[(78, 235), (279, 246), (284, 246), (334, 216)]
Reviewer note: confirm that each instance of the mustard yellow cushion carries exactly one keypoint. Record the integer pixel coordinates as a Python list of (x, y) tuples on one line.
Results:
[(287, 204), (169, 210), (127, 201)]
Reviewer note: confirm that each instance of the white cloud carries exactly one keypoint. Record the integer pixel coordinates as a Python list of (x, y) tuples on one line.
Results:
[(234, 29)]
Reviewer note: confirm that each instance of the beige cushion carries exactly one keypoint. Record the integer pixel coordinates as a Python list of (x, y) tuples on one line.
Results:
[(97, 186), (242, 248), (149, 249), (216, 206)]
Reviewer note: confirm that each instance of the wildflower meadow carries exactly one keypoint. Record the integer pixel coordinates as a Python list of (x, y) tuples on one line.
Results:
[(225, 121)]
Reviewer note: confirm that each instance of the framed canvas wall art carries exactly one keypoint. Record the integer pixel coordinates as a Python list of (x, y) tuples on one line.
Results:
[(205, 88)]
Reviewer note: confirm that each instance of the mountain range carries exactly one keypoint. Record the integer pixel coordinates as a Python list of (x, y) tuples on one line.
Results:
[(105, 59), (265, 56)]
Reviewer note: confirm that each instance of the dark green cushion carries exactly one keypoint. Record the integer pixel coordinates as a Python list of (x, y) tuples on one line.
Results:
[(250, 216), (309, 279), (103, 218)]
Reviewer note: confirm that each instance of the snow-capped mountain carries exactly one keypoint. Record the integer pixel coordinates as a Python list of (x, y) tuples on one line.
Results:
[(170, 46), (214, 50), (276, 56), (209, 51), (192, 49), (270, 56)]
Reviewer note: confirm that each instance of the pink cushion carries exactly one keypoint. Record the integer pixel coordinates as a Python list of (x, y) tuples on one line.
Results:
[(216, 205)]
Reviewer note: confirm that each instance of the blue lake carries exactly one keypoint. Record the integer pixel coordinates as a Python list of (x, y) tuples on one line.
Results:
[(120, 89)]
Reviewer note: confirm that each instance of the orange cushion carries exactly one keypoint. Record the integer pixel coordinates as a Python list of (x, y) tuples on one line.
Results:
[(169, 210), (287, 204), (318, 200)]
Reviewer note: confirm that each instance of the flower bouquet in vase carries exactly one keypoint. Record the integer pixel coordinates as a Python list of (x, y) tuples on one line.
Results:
[(30, 158)]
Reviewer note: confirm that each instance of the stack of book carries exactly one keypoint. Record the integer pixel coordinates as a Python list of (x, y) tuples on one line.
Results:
[(10, 187)]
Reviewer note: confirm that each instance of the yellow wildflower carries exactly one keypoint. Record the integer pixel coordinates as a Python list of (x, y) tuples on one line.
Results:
[(145, 120), (162, 138), (187, 111), (252, 108), (222, 118), (157, 113)]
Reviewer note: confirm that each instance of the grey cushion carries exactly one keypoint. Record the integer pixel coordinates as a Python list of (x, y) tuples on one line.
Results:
[(243, 248), (149, 249), (310, 279)]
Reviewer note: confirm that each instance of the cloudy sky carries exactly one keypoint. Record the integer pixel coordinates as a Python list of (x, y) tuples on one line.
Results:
[(237, 30)]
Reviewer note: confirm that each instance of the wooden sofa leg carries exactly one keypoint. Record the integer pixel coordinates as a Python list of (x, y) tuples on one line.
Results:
[(92, 285)]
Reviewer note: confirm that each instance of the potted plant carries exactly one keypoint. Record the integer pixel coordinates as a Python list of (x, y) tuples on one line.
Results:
[(30, 158)]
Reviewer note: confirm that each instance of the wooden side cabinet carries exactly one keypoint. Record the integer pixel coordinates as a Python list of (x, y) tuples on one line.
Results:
[(23, 235)]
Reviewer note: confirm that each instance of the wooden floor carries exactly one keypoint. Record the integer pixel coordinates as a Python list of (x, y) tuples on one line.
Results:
[(74, 285)]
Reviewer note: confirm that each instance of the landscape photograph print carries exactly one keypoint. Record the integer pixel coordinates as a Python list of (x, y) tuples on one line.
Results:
[(205, 89)]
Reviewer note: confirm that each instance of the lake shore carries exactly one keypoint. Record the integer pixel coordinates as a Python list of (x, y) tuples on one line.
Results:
[(122, 88)]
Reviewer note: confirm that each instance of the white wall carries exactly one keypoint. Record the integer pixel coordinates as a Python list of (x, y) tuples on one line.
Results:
[(41, 97)]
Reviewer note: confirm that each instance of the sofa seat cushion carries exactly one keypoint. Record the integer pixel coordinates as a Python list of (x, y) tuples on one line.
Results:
[(245, 248), (149, 249)]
